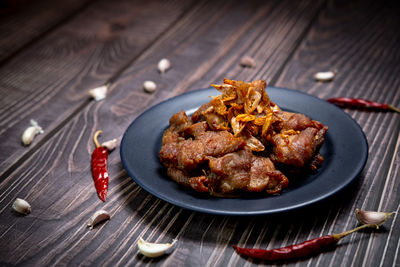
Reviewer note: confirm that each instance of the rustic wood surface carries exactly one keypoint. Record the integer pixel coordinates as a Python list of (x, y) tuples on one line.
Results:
[(51, 57)]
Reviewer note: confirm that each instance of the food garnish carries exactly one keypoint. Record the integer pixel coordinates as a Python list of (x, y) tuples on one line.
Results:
[(325, 76), (361, 103), (111, 144), (372, 217), (309, 247), (99, 93), (240, 142), (164, 65), (153, 250), (149, 86), (21, 206), (247, 62), (31, 132), (99, 168), (98, 217)]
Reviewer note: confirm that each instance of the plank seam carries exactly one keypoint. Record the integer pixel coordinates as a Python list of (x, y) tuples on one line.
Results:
[(47, 32), (297, 44)]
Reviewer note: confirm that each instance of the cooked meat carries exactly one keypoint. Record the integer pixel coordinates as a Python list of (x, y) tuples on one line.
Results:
[(198, 114), (238, 140), (243, 171), (188, 154), (196, 129), (264, 177), (230, 172), (198, 183), (296, 121), (297, 149)]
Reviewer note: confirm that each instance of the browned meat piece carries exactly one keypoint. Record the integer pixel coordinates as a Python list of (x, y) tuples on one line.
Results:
[(191, 153), (297, 122), (264, 177), (216, 122), (177, 123), (179, 176), (243, 171), (230, 172), (196, 129), (198, 114), (297, 149), (187, 154), (198, 183)]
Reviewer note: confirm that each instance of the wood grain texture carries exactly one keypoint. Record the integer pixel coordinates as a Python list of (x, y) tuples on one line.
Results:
[(50, 80), (59, 167), (363, 47), (290, 40), (22, 22)]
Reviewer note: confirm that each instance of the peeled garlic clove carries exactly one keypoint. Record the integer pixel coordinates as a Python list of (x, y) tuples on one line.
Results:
[(248, 62), (164, 65), (324, 76), (372, 217), (99, 93), (111, 144), (98, 217), (21, 206), (149, 86), (153, 250), (31, 132)]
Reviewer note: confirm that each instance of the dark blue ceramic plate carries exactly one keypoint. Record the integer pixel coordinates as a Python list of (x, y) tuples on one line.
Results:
[(345, 151)]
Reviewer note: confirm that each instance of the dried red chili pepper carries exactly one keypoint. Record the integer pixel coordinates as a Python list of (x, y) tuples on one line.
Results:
[(307, 248), (99, 168), (361, 103)]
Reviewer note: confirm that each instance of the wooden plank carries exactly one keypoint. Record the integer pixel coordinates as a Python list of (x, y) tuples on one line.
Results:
[(360, 41), (60, 69), (21, 22), (56, 178)]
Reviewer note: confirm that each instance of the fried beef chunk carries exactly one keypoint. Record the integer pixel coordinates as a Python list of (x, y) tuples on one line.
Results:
[(237, 141), (298, 143), (244, 171)]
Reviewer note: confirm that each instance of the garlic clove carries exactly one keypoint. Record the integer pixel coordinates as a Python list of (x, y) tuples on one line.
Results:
[(30, 132), (99, 93), (149, 86), (98, 217), (111, 144), (248, 62), (325, 76), (372, 217), (153, 250), (164, 65), (21, 206)]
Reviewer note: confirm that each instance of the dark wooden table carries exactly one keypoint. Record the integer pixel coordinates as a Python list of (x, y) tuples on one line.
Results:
[(52, 53)]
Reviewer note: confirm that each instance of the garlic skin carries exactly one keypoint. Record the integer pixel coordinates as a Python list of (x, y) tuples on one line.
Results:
[(149, 86), (111, 144), (21, 206), (153, 250), (164, 65), (99, 93), (248, 62), (372, 217), (98, 217), (326, 76), (30, 133)]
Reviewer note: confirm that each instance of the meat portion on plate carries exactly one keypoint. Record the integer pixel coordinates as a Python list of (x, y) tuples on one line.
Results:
[(239, 142)]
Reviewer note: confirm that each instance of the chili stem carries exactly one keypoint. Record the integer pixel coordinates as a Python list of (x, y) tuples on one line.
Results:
[(341, 235), (393, 108), (96, 134)]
